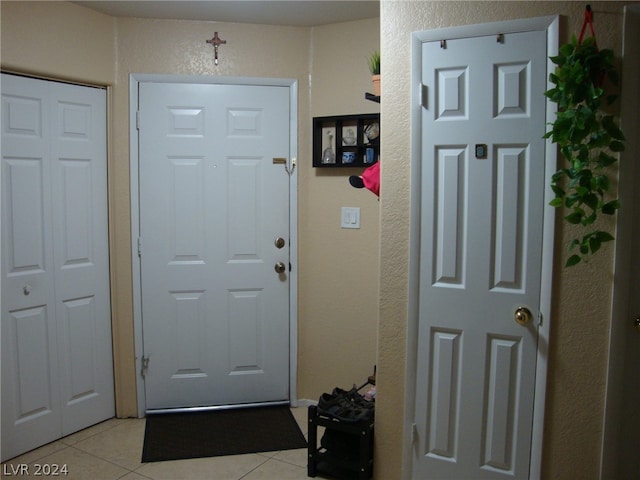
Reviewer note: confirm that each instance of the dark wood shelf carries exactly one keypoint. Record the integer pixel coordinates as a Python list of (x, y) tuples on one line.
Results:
[(372, 97), (350, 144), (334, 463)]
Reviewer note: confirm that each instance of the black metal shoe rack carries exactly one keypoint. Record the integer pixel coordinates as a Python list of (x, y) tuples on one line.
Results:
[(325, 462)]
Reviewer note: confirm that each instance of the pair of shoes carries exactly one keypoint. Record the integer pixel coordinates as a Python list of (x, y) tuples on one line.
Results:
[(355, 397), (343, 406)]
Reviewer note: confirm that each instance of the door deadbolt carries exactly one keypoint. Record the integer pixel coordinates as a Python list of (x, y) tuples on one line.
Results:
[(279, 242), (523, 315), (280, 267)]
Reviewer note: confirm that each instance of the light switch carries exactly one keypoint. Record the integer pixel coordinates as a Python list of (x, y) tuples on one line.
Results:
[(350, 217)]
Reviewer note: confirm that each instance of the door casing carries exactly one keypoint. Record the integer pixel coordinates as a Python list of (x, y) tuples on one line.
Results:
[(292, 84), (551, 26)]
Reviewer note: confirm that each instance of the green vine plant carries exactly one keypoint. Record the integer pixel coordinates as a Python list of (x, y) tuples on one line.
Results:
[(588, 139)]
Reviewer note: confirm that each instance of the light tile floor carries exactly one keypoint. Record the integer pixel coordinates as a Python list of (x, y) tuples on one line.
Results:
[(112, 450)]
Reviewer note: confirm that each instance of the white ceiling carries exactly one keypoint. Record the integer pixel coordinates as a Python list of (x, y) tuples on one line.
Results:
[(304, 13)]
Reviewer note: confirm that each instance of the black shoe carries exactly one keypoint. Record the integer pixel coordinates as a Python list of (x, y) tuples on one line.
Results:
[(343, 409), (354, 397)]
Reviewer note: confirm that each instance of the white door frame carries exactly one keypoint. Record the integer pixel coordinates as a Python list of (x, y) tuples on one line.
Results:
[(551, 26), (134, 80)]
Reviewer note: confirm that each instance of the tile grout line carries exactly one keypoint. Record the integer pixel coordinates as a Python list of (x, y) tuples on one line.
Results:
[(106, 460), (62, 440), (255, 468)]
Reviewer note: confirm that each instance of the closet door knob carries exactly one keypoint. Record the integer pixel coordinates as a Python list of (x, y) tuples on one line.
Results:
[(26, 289), (523, 315)]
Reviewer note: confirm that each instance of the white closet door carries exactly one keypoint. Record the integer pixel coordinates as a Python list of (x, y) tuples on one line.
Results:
[(81, 254), (30, 390), (481, 232), (57, 374)]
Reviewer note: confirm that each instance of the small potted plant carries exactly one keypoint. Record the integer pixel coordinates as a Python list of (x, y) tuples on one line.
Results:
[(374, 68)]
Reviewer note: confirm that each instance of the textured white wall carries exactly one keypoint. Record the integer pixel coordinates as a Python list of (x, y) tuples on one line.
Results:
[(58, 39), (338, 267)]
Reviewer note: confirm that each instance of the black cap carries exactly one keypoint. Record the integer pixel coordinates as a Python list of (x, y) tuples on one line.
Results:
[(356, 181)]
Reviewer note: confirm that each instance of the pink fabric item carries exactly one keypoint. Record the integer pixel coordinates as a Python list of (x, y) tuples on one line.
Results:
[(371, 178)]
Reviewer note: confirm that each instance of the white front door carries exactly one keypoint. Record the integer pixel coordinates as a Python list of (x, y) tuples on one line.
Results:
[(214, 199), (482, 200), (57, 369)]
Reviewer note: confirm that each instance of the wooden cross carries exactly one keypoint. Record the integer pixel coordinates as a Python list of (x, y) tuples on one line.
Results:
[(216, 41)]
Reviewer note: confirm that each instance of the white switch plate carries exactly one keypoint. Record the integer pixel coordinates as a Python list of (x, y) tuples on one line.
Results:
[(350, 217)]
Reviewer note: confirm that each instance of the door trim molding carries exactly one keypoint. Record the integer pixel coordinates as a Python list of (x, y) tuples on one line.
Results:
[(134, 81), (551, 25)]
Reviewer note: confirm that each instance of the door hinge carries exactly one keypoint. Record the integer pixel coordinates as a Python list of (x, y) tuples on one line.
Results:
[(145, 366), (139, 246), (414, 433), (137, 119)]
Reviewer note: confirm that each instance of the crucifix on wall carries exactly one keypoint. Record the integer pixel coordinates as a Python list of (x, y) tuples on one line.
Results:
[(216, 41)]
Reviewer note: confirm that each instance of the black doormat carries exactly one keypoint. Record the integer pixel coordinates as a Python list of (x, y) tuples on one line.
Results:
[(176, 436)]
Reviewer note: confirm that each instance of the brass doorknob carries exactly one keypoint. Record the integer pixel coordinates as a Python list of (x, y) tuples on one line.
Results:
[(280, 267), (523, 315)]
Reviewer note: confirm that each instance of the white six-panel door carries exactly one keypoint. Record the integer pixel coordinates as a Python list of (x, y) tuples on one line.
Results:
[(482, 187), (214, 197), (57, 371)]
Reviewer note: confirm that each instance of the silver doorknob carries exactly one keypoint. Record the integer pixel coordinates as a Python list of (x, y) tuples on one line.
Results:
[(523, 315), (636, 323), (280, 267)]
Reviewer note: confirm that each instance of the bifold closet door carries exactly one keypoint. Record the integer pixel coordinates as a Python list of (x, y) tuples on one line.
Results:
[(57, 369)]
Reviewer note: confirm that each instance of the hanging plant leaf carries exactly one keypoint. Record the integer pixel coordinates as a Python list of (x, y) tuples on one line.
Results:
[(610, 207), (573, 260), (586, 138)]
